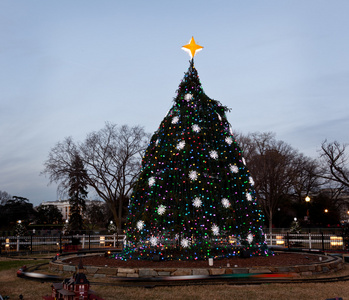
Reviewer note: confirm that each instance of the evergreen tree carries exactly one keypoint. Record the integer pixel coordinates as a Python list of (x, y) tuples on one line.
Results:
[(77, 193), (194, 198)]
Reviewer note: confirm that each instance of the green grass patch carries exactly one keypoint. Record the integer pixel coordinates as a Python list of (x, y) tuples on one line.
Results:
[(16, 264)]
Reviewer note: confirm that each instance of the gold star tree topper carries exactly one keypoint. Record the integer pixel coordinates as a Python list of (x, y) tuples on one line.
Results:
[(192, 47)]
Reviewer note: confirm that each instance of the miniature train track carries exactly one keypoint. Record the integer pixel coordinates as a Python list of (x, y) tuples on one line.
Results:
[(152, 282)]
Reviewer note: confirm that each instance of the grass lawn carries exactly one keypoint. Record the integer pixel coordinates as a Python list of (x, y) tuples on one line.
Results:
[(11, 285)]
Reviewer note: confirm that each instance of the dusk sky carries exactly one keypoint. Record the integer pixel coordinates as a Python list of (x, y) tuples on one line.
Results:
[(67, 67)]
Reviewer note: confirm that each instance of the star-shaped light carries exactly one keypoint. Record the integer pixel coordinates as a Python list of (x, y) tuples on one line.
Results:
[(193, 175), (214, 154), (151, 181), (192, 47), (161, 209), (225, 202), (140, 225), (196, 128), (175, 120), (188, 97), (215, 229), (185, 243), (153, 241), (180, 145), (197, 202), (228, 140), (250, 238), (234, 168)]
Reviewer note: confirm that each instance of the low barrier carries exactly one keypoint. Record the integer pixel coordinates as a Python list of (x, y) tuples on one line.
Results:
[(60, 243)]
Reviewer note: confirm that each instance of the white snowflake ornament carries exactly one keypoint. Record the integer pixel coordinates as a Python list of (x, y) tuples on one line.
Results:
[(151, 181), (197, 202), (219, 117), (193, 175), (153, 241), (231, 130), (196, 128), (225, 202), (214, 154), (161, 209), (215, 229), (244, 161), (140, 225), (250, 238), (175, 120), (185, 243), (249, 197), (233, 168), (229, 140), (188, 97), (250, 179), (180, 145)]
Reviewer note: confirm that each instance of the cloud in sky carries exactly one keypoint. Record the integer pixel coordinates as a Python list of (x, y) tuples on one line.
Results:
[(67, 67)]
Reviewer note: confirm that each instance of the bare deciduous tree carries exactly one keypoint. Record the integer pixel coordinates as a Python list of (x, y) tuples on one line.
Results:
[(276, 168), (112, 158), (335, 162), (4, 197)]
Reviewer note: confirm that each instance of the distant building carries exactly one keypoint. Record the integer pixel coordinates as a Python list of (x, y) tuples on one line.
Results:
[(64, 206)]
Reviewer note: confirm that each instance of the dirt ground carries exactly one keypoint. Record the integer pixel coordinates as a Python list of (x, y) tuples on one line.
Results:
[(282, 259)]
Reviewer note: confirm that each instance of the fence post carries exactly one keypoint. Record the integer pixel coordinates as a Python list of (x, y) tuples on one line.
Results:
[(83, 241), (114, 240), (31, 244), (89, 241), (60, 242), (322, 241), (309, 241), (288, 240), (17, 244)]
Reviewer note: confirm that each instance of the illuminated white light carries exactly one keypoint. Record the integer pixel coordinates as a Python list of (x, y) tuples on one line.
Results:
[(225, 202), (229, 140), (215, 229), (151, 181), (249, 197), (140, 225), (153, 241), (193, 175), (180, 145), (197, 202), (234, 168), (214, 154), (175, 120), (250, 238), (161, 209), (196, 128), (188, 97), (185, 243)]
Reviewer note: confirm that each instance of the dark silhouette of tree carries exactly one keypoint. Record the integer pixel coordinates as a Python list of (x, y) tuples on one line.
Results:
[(77, 193), (112, 158), (280, 172), (48, 214), (335, 163), (17, 208), (4, 197)]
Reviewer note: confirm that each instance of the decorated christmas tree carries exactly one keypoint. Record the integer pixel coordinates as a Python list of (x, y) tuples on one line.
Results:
[(194, 198)]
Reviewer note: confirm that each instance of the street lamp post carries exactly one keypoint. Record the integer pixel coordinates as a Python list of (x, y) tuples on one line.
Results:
[(307, 200)]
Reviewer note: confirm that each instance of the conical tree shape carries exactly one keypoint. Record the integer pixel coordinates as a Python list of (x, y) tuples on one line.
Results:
[(194, 198)]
